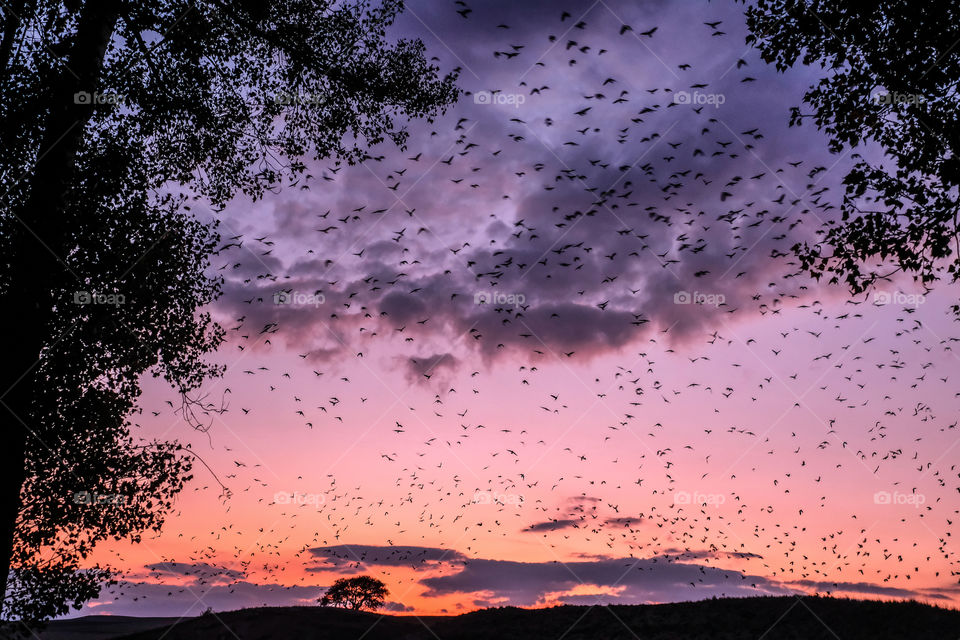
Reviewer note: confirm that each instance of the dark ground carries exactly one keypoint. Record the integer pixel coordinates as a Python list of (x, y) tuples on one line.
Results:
[(808, 618), (99, 627)]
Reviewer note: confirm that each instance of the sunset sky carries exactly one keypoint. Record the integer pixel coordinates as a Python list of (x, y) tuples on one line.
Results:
[(654, 405)]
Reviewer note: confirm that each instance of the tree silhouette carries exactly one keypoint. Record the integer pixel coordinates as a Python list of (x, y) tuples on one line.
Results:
[(893, 73), (361, 592), (115, 115)]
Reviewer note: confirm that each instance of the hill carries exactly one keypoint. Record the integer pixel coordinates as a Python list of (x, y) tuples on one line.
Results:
[(100, 627), (809, 618)]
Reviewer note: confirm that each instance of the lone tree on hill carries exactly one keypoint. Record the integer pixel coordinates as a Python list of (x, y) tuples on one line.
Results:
[(361, 592)]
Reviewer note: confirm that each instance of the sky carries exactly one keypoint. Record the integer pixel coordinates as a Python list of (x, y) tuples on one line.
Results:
[(558, 350)]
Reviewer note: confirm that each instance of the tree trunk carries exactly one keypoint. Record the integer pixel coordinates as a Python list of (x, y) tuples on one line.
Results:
[(35, 263), (23, 348), (12, 21)]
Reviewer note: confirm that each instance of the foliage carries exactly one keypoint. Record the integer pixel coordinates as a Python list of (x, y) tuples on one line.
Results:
[(360, 592), (184, 100), (892, 73)]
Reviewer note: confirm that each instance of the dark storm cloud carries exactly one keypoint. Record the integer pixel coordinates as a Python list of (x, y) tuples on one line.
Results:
[(624, 522), (863, 587), (632, 581), (636, 580), (589, 248), (553, 525), (155, 599), (197, 570), (694, 554), (403, 308), (354, 556), (425, 367)]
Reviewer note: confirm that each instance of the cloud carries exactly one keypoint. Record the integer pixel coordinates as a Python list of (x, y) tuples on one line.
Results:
[(553, 525), (628, 522), (344, 556), (637, 580), (688, 554), (155, 599), (596, 231), (866, 588), (423, 368), (199, 571)]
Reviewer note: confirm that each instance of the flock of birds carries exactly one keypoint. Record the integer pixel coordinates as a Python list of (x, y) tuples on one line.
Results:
[(730, 434)]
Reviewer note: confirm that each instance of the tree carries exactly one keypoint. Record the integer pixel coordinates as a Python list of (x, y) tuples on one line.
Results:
[(361, 592), (892, 79), (115, 115)]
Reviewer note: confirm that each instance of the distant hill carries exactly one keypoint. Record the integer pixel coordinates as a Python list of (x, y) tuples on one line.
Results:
[(809, 618), (100, 627)]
